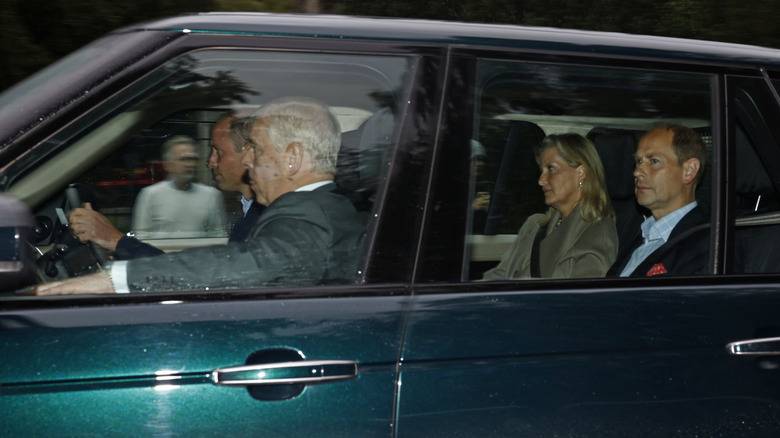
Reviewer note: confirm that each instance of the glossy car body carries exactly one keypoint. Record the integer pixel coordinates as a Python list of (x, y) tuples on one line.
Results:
[(428, 351)]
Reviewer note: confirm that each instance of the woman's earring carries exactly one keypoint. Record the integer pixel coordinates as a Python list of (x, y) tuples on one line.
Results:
[(579, 185)]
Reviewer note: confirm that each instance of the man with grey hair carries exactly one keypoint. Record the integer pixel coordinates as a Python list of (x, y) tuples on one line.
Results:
[(178, 207), (308, 234), (291, 145)]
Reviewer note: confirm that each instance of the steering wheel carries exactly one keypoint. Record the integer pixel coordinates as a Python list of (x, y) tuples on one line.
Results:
[(69, 257)]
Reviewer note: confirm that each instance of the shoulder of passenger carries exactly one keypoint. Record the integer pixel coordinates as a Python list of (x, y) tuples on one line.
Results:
[(604, 229)]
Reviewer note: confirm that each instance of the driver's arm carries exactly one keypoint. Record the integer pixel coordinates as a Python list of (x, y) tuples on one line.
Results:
[(90, 226), (99, 283)]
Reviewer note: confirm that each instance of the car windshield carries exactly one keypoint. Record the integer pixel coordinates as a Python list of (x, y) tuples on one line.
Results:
[(38, 97)]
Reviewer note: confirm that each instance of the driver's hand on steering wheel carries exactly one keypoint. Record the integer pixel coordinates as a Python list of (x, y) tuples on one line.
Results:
[(90, 226)]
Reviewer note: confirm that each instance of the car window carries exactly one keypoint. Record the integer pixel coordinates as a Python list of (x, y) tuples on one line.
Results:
[(127, 156), (757, 188), (519, 103)]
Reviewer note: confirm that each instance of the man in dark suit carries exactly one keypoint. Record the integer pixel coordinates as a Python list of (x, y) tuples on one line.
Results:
[(308, 234), (674, 240), (225, 163)]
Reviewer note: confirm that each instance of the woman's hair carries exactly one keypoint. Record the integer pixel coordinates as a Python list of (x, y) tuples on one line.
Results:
[(576, 150)]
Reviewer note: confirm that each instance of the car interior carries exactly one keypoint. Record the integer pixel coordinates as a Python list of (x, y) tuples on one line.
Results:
[(112, 153), (518, 110)]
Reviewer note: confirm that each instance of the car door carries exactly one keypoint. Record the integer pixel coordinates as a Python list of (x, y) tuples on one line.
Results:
[(310, 361), (163, 366), (585, 357)]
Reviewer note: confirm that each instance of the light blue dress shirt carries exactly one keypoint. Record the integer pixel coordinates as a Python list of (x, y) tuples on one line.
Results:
[(655, 234)]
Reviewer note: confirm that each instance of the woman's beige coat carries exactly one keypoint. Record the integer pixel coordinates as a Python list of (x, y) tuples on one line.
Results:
[(577, 249)]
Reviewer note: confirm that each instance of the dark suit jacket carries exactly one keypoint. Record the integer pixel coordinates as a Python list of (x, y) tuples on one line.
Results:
[(130, 248), (244, 225), (688, 256), (301, 239)]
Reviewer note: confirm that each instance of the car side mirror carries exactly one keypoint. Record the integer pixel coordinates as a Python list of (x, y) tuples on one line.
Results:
[(17, 255)]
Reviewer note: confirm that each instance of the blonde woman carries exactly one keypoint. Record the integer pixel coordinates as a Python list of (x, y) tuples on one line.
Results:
[(576, 238)]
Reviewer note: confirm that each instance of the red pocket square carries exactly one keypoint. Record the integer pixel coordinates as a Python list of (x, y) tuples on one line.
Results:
[(657, 269)]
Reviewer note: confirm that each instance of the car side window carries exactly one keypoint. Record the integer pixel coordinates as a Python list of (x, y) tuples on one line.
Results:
[(757, 188), (128, 156), (518, 104)]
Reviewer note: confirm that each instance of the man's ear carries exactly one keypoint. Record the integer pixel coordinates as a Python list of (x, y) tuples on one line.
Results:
[(691, 168), (294, 156)]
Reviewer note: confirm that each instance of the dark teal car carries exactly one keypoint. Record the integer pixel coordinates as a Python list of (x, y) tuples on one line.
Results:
[(418, 345)]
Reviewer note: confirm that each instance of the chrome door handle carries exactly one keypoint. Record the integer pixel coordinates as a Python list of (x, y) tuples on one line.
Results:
[(300, 372), (755, 347)]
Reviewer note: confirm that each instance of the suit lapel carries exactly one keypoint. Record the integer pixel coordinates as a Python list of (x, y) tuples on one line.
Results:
[(693, 218), (623, 258)]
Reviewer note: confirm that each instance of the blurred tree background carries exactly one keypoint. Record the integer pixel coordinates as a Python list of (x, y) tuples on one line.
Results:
[(34, 33)]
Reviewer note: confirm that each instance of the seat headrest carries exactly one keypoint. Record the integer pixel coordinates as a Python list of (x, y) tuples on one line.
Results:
[(616, 150), (377, 135)]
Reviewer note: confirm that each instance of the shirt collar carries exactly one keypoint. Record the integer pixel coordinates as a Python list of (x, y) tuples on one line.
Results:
[(175, 187), (662, 229), (245, 204), (312, 186)]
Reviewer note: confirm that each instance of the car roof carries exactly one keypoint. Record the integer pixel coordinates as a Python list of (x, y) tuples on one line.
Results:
[(469, 34)]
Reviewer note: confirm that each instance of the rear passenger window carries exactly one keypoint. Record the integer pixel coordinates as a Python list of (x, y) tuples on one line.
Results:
[(519, 103)]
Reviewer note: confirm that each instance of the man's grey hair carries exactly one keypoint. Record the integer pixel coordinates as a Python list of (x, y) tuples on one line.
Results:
[(308, 122), (173, 141)]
